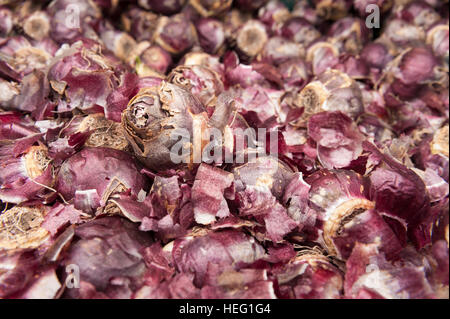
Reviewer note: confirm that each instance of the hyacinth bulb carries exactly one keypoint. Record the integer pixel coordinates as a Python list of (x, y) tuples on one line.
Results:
[(322, 55), (399, 34), (295, 73), (251, 38), (203, 59), (376, 55), (347, 213), (417, 66), (420, 14), (37, 25), (120, 43), (151, 59), (331, 91), (6, 18), (166, 7), (140, 24), (310, 275), (278, 50), (153, 115), (332, 10), (119, 263), (23, 57), (273, 15), (437, 39), (361, 5), (175, 34), (74, 181), (202, 82), (250, 5), (352, 65), (414, 67), (210, 8), (68, 26), (27, 169), (349, 34), (300, 31), (305, 9), (234, 20), (211, 34), (264, 172), (230, 247)]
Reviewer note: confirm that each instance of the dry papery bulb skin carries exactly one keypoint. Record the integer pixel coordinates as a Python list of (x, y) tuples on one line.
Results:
[(224, 149), (278, 50)]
